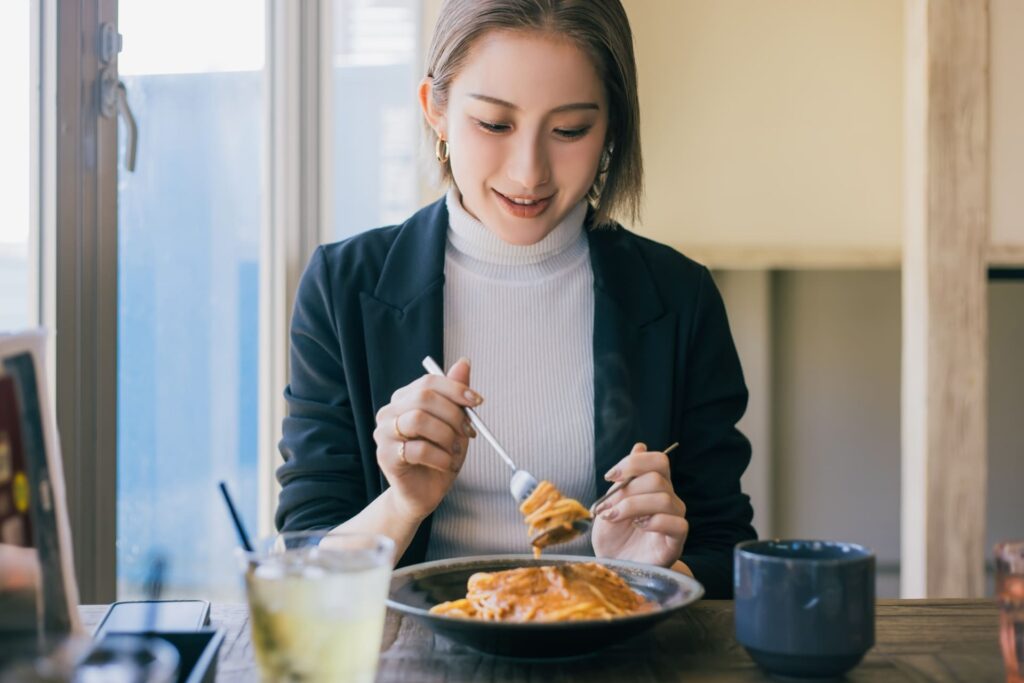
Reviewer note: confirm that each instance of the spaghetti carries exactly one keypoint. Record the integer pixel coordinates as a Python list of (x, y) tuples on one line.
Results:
[(546, 594), (551, 515)]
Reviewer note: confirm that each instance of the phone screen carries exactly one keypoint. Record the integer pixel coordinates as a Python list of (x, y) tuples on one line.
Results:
[(160, 615)]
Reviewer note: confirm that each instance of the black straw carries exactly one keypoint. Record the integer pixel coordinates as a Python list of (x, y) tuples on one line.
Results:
[(239, 527), (154, 586)]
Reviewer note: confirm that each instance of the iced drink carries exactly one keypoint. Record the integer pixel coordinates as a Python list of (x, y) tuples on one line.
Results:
[(318, 610)]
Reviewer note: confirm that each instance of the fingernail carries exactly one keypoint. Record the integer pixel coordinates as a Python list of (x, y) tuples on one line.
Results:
[(610, 514), (600, 508), (473, 397), (463, 359), (641, 522), (468, 430), (613, 474)]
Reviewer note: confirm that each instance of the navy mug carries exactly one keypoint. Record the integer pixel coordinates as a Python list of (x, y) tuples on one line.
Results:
[(804, 608)]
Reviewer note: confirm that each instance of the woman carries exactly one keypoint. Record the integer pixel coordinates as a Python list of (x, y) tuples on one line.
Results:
[(588, 341)]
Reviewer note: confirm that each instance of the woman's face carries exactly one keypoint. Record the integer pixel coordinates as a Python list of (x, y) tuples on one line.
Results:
[(525, 123)]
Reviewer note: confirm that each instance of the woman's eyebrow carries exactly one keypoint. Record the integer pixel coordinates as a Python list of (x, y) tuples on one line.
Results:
[(565, 107)]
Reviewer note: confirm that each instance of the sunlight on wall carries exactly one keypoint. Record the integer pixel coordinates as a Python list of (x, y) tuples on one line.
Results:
[(187, 36)]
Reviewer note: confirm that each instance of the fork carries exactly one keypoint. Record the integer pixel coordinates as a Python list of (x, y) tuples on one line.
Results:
[(522, 483)]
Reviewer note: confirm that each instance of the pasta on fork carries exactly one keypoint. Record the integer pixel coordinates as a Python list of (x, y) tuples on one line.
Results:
[(547, 510)]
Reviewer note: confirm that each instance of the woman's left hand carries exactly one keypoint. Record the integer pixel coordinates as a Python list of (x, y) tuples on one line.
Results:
[(645, 521)]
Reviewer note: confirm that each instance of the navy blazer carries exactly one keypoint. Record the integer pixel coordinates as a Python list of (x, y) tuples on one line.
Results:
[(369, 308)]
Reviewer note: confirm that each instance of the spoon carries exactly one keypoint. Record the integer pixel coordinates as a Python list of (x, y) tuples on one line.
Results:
[(523, 483), (560, 534)]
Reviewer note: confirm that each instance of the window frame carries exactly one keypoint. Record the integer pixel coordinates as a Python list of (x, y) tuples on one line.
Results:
[(293, 213), (78, 287)]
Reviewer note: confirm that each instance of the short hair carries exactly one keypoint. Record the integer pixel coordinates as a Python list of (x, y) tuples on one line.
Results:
[(598, 27)]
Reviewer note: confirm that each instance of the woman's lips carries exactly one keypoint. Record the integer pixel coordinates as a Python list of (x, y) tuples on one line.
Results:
[(523, 210)]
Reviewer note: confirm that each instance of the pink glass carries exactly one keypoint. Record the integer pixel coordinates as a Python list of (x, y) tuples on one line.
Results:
[(1010, 596)]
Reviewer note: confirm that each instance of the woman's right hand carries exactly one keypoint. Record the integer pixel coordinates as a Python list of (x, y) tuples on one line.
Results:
[(422, 437)]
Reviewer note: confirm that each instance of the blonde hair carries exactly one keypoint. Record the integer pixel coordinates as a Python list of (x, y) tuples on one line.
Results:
[(598, 27)]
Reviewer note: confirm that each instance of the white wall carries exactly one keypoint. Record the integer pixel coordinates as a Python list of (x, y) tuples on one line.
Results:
[(1007, 121), (747, 296), (837, 408), (1006, 412)]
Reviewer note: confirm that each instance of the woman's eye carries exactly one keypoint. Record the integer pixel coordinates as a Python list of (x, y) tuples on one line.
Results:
[(572, 133), (493, 127)]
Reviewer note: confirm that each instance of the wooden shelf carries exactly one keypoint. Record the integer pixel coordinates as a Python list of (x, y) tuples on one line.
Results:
[(786, 258), (824, 258), (1008, 255)]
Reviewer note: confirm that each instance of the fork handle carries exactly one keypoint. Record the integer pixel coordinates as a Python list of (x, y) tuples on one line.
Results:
[(619, 484), (609, 493), (433, 368)]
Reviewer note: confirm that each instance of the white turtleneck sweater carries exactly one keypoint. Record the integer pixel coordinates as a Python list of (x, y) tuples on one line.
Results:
[(524, 317)]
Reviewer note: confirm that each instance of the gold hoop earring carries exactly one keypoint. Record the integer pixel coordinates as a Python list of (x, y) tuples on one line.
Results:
[(441, 150)]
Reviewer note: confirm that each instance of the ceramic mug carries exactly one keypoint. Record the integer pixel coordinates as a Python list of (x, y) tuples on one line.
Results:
[(804, 607)]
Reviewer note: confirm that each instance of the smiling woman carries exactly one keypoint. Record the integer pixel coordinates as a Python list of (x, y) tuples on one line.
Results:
[(517, 83), (526, 143), (585, 339)]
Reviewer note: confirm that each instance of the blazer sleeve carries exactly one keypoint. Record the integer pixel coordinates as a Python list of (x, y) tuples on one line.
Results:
[(713, 453), (322, 482)]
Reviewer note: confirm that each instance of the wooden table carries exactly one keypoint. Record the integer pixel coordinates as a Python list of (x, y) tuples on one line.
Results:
[(916, 640)]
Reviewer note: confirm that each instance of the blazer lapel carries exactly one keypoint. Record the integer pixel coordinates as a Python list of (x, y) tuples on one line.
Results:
[(404, 316), (634, 339)]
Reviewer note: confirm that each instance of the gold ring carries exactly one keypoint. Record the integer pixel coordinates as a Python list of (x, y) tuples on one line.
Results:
[(398, 432), (401, 453)]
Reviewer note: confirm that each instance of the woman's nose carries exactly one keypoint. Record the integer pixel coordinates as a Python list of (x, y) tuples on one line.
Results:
[(528, 166)]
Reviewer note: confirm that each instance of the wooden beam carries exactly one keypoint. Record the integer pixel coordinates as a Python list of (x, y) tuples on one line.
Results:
[(945, 316), (775, 257)]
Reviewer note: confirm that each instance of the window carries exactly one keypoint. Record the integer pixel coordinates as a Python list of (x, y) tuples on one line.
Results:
[(18, 285), (263, 128), (190, 221), (374, 116)]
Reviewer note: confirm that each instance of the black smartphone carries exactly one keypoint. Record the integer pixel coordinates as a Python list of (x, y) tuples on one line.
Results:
[(159, 615)]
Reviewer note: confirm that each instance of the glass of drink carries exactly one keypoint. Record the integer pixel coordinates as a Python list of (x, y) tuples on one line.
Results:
[(1010, 595), (317, 605)]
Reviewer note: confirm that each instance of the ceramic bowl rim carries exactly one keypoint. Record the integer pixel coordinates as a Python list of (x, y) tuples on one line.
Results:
[(693, 590)]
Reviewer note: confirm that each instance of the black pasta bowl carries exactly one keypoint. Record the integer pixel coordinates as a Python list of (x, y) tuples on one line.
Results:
[(417, 588)]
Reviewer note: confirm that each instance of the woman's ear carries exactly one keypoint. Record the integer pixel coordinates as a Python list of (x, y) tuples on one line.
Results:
[(435, 118)]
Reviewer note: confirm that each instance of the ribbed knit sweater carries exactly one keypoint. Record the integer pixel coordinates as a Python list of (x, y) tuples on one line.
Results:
[(524, 317)]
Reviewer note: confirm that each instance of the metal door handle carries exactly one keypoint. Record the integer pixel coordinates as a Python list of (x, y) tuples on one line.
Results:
[(131, 129), (113, 93)]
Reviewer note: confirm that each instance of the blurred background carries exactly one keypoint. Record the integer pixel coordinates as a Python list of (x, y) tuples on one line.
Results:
[(775, 138)]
